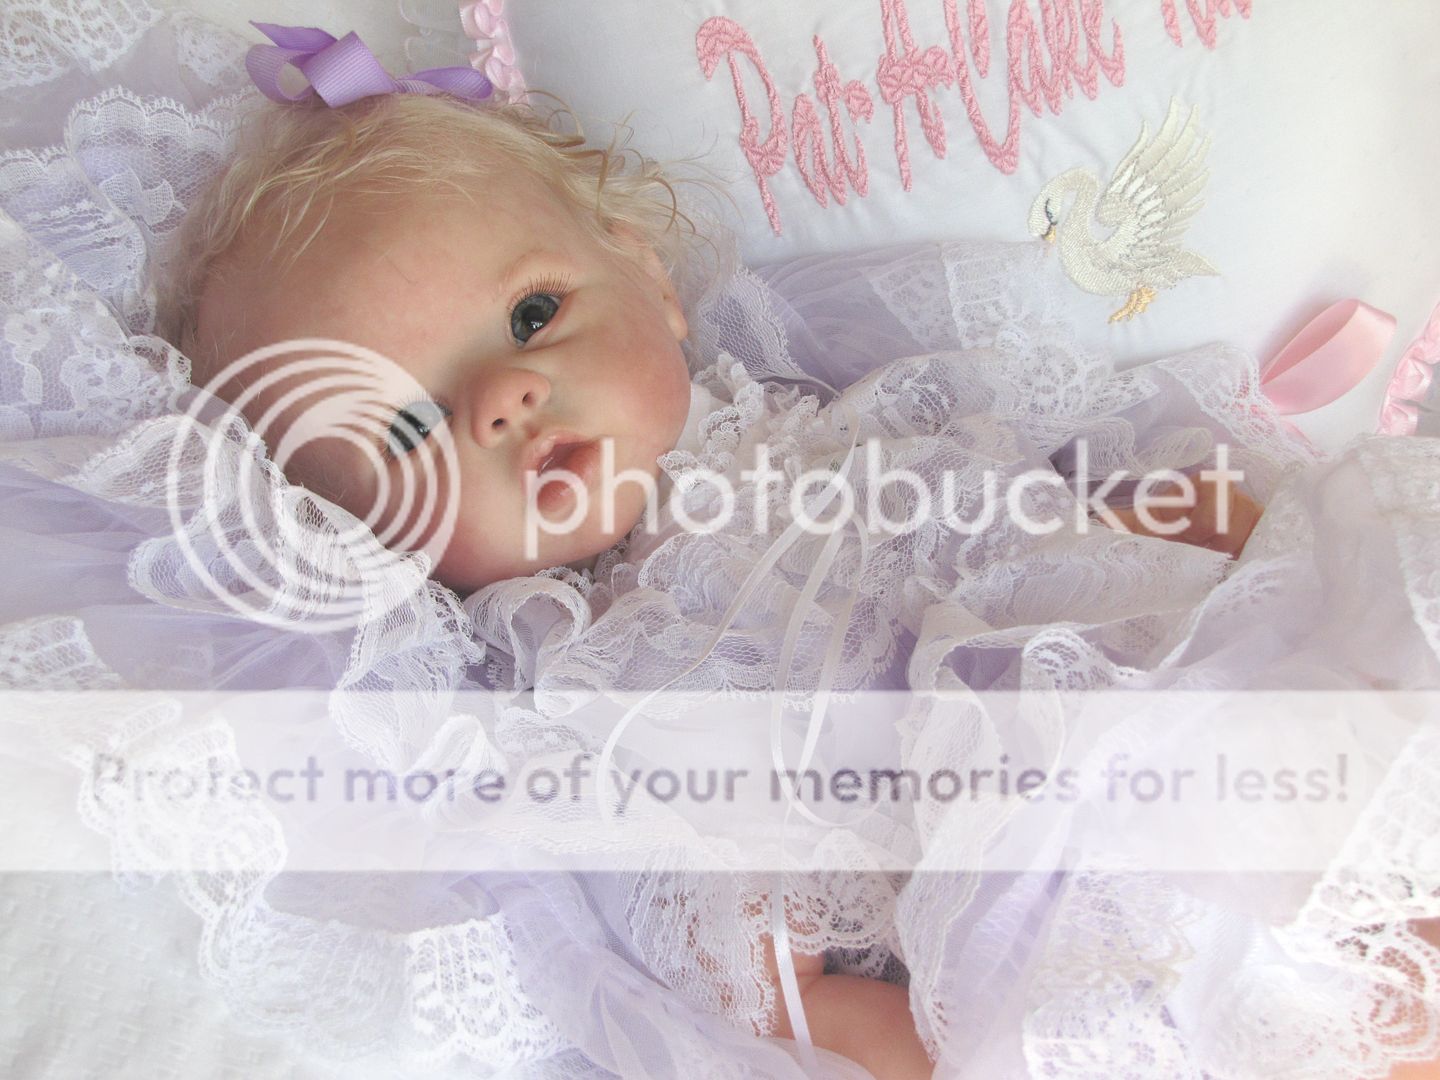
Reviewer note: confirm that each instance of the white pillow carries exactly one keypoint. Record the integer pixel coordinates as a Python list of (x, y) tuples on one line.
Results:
[(1320, 168)]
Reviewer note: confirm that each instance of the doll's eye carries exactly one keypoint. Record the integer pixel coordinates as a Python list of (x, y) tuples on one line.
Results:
[(412, 424), (530, 314)]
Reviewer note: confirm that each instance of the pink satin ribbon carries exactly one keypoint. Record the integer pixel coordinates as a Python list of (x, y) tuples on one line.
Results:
[(1337, 349)]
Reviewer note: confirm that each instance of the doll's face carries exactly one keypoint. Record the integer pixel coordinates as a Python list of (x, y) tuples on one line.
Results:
[(519, 341)]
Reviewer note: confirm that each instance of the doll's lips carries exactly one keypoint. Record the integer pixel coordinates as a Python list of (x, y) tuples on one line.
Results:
[(557, 467)]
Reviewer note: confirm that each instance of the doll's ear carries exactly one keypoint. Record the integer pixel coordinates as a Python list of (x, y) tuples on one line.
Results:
[(645, 255)]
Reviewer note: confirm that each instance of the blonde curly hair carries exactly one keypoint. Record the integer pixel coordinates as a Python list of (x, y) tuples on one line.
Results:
[(291, 162)]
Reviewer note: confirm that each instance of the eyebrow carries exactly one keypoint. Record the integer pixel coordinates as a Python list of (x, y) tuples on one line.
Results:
[(506, 287), (507, 280)]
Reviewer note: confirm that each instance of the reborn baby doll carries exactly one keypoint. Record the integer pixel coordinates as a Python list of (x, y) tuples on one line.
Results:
[(998, 516)]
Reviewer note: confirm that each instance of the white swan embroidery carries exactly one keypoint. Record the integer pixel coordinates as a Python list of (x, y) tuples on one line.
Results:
[(1148, 204)]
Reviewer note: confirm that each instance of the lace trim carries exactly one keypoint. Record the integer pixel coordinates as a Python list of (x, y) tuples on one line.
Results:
[(41, 41), (983, 609), (1411, 381), (485, 23), (1355, 922), (331, 969)]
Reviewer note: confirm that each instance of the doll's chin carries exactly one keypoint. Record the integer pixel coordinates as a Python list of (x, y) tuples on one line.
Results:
[(579, 556)]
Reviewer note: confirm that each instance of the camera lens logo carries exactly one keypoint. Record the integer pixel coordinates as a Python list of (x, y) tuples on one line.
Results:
[(345, 425)]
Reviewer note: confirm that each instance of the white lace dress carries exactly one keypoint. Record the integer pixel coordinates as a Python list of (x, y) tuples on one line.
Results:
[(1009, 973), (956, 362)]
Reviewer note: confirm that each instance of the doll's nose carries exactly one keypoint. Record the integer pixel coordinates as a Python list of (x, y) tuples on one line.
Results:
[(503, 400)]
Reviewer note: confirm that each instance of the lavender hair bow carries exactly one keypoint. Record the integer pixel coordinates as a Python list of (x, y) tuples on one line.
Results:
[(344, 70)]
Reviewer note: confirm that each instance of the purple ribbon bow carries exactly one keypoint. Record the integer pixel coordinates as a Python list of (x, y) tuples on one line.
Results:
[(344, 70)]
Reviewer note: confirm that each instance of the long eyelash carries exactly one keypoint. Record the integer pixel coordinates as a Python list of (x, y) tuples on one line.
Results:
[(557, 285), (383, 442)]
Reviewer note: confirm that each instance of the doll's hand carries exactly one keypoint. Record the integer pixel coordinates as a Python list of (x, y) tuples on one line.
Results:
[(1217, 517)]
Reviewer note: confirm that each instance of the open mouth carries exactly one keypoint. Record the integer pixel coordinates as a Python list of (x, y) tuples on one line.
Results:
[(563, 467), (560, 457)]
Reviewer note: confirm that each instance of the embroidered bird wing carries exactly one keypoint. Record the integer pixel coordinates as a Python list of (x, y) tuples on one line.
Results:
[(1152, 197)]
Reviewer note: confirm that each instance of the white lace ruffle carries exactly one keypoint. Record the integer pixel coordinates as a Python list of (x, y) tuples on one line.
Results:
[(1003, 609), (40, 41)]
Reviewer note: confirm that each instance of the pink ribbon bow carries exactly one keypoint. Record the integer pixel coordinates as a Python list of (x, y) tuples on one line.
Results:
[(1337, 349), (345, 70)]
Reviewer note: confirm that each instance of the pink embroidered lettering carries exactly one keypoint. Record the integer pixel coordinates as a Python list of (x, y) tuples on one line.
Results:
[(1063, 24), (1051, 48), (721, 37), (908, 73), (979, 38), (1092, 18), (818, 174), (1021, 29), (1204, 20), (809, 143)]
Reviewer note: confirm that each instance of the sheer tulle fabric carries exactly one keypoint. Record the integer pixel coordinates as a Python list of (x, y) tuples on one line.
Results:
[(658, 973)]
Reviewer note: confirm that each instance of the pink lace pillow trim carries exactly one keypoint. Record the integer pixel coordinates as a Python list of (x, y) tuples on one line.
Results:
[(1411, 381), (484, 22)]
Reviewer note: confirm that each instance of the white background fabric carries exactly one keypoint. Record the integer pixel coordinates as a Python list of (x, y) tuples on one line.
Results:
[(1320, 168)]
